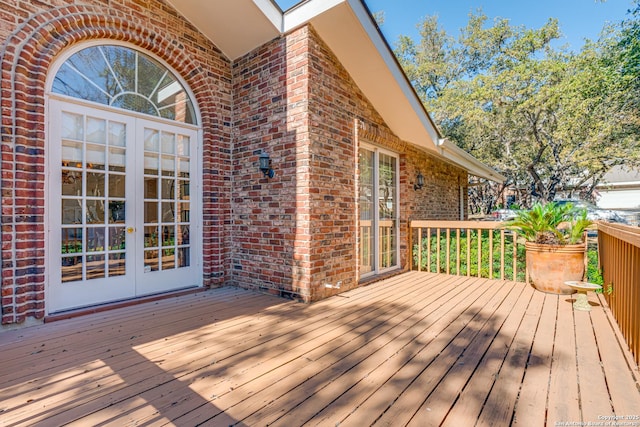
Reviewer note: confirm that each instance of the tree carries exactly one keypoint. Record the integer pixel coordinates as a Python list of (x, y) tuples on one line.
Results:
[(548, 119)]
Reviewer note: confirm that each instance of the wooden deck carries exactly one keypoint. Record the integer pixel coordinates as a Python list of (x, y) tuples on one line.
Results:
[(416, 349)]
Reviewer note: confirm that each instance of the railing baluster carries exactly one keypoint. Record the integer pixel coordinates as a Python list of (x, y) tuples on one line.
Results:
[(501, 254), (490, 254), (419, 249), (429, 249), (479, 252), (457, 251), (448, 256), (438, 251), (468, 252), (515, 255)]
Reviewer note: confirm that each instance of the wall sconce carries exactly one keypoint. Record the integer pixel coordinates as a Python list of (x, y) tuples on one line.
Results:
[(265, 165), (419, 182)]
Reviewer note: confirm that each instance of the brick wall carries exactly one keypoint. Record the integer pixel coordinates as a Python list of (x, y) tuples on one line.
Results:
[(340, 119), (287, 235), (33, 34), (295, 232), (269, 218)]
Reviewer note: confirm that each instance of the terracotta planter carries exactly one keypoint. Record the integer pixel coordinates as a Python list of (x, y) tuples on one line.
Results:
[(549, 266)]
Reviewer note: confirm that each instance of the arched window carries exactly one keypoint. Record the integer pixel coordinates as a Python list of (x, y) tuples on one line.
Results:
[(121, 77)]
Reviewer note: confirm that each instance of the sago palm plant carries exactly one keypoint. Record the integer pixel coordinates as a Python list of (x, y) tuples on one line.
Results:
[(551, 224)]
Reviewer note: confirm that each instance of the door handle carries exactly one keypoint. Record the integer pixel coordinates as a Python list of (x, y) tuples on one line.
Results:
[(130, 230)]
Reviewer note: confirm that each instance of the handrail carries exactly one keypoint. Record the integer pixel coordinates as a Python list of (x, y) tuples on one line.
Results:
[(478, 248), (619, 254)]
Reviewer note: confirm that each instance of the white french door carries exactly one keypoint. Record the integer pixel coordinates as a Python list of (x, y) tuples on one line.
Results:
[(378, 207), (122, 222)]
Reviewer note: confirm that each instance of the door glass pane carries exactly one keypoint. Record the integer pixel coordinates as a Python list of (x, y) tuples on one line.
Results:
[(117, 238), (183, 235), (117, 265), (96, 130), (168, 259), (71, 240), (117, 135), (151, 140), (117, 186), (96, 156), (150, 212), (95, 239), (184, 168), (151, 261), (71, 183), (365, 206), (116, 159), (72, 126), (150, 236), (387, 176), (168, 212), (151, 164), (71, 268), (168, 143), (168, 166), (117, 212), (96, 267), (168, 189), (95, 212), (72, 154), (168, 235), (95, 184), (183, 257), (183, 144), (150, 188), (71, 211)]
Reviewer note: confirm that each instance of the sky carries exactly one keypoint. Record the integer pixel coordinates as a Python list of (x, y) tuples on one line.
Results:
[(579, 19)]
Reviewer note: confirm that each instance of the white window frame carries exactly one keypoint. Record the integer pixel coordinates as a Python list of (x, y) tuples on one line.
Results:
[(376, 210)]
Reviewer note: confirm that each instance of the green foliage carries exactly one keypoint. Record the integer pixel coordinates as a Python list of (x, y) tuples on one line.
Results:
[(469, 242), (548, 119), (594, 275), (551, 223)]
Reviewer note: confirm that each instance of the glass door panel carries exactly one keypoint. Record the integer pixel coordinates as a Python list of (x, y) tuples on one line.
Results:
[(119, 208), (366, 209), (89, 251), (166, 220), (387, 212), (378, 208), (92, 195)]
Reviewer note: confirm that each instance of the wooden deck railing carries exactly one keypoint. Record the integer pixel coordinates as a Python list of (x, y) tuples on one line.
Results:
[(466, 248), (619, 254)]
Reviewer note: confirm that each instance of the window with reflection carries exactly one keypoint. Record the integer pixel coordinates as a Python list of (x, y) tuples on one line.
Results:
[(125, 78)]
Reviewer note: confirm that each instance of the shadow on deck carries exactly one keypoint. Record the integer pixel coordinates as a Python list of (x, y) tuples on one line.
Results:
[(415, 349)]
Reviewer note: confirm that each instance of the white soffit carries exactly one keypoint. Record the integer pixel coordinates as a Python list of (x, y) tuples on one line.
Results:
[(234, 26), (345, 26)]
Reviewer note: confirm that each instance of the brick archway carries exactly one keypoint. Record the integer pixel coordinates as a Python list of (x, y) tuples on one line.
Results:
[(26, 59)]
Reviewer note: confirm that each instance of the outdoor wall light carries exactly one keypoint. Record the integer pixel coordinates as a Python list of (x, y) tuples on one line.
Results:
[(265, 165), (419, 182)]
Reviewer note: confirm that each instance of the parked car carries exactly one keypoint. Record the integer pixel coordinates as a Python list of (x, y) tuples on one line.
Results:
[(503, 214), (594, 213)]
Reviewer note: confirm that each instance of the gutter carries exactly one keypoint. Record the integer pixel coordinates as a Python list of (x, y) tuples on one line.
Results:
[(452, 152)]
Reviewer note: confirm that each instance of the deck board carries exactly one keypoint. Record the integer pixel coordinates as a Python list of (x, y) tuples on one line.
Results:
[(415, 349)]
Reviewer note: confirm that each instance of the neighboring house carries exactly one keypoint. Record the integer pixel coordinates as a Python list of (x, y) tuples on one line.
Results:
[(620, 190), (132, 133)]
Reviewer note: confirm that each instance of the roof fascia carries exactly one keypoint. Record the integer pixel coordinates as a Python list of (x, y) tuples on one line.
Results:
[(272, 11), (304, 13), (475, 167)]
